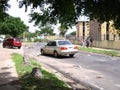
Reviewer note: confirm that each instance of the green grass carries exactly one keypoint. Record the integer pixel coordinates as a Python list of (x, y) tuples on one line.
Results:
[(48, 82), (106, 52)]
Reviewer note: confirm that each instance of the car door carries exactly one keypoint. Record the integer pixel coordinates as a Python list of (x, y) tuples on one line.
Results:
[(8, 42), (47, 47), (52, 47)]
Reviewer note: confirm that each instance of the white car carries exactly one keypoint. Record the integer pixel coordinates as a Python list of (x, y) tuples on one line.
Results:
[(59, 48)]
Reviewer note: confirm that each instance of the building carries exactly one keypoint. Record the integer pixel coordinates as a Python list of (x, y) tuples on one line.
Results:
[(83, 29), (111, 33), (98, 31), (104, 31), (95, 30), (104, 35)]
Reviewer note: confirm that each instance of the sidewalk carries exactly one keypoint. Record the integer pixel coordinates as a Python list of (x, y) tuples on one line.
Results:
[(8, 75)]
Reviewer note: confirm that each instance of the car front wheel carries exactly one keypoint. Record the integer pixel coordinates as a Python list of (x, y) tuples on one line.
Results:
[(55, 54)]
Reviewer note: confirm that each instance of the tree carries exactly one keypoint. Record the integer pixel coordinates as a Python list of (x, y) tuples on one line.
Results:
[(12, 26), (63, 30), (103, 10), (73, 33), (67, 12), (28, 36), (47, 30), (4, 6)]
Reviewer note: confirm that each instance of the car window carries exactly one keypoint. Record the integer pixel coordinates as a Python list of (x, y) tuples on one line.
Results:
[(51, 43), (64, 43)]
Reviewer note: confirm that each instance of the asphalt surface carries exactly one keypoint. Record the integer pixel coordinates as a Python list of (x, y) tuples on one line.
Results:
[(100, 72), (89, 75), (9, 79)]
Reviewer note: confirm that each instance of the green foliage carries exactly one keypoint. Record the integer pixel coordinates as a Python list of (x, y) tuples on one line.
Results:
[(4, 6), (103, 10), (63, 29), (47, 30), (73, 33), (29, 35), (58, 11), (67, 12), (12, 26), (48, 82)]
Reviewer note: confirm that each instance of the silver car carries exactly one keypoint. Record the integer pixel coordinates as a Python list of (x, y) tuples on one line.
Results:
[(59, 48)]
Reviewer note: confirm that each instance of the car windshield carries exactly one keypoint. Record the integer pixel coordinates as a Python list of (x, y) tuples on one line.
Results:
[(64, 43)]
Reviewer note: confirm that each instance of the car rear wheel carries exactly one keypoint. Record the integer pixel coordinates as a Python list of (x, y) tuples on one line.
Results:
[(55, 54), (42, 52), (71, 55)]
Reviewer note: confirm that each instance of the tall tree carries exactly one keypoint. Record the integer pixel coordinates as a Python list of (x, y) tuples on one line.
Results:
[(68, 11), (73, 33), (4, 6), (103, 10), (47, 30), (63, 30), (12, 26)]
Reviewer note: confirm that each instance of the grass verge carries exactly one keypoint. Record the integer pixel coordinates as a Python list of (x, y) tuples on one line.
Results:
[(106, 52), (48, 82)]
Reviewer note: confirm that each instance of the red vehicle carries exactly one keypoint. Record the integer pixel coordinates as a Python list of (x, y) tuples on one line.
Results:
[(12, 42)]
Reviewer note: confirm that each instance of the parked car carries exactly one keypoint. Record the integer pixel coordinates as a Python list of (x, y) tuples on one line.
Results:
[(12, 42), (59, 48)]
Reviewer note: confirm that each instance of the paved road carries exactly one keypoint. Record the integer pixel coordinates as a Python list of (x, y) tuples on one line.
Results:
[(100, 71)]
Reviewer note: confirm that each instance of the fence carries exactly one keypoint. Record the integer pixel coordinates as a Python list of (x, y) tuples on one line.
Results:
[(112, 43), (110, 37)]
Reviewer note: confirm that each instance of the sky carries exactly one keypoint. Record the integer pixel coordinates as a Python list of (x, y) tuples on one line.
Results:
[(15, 11)]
